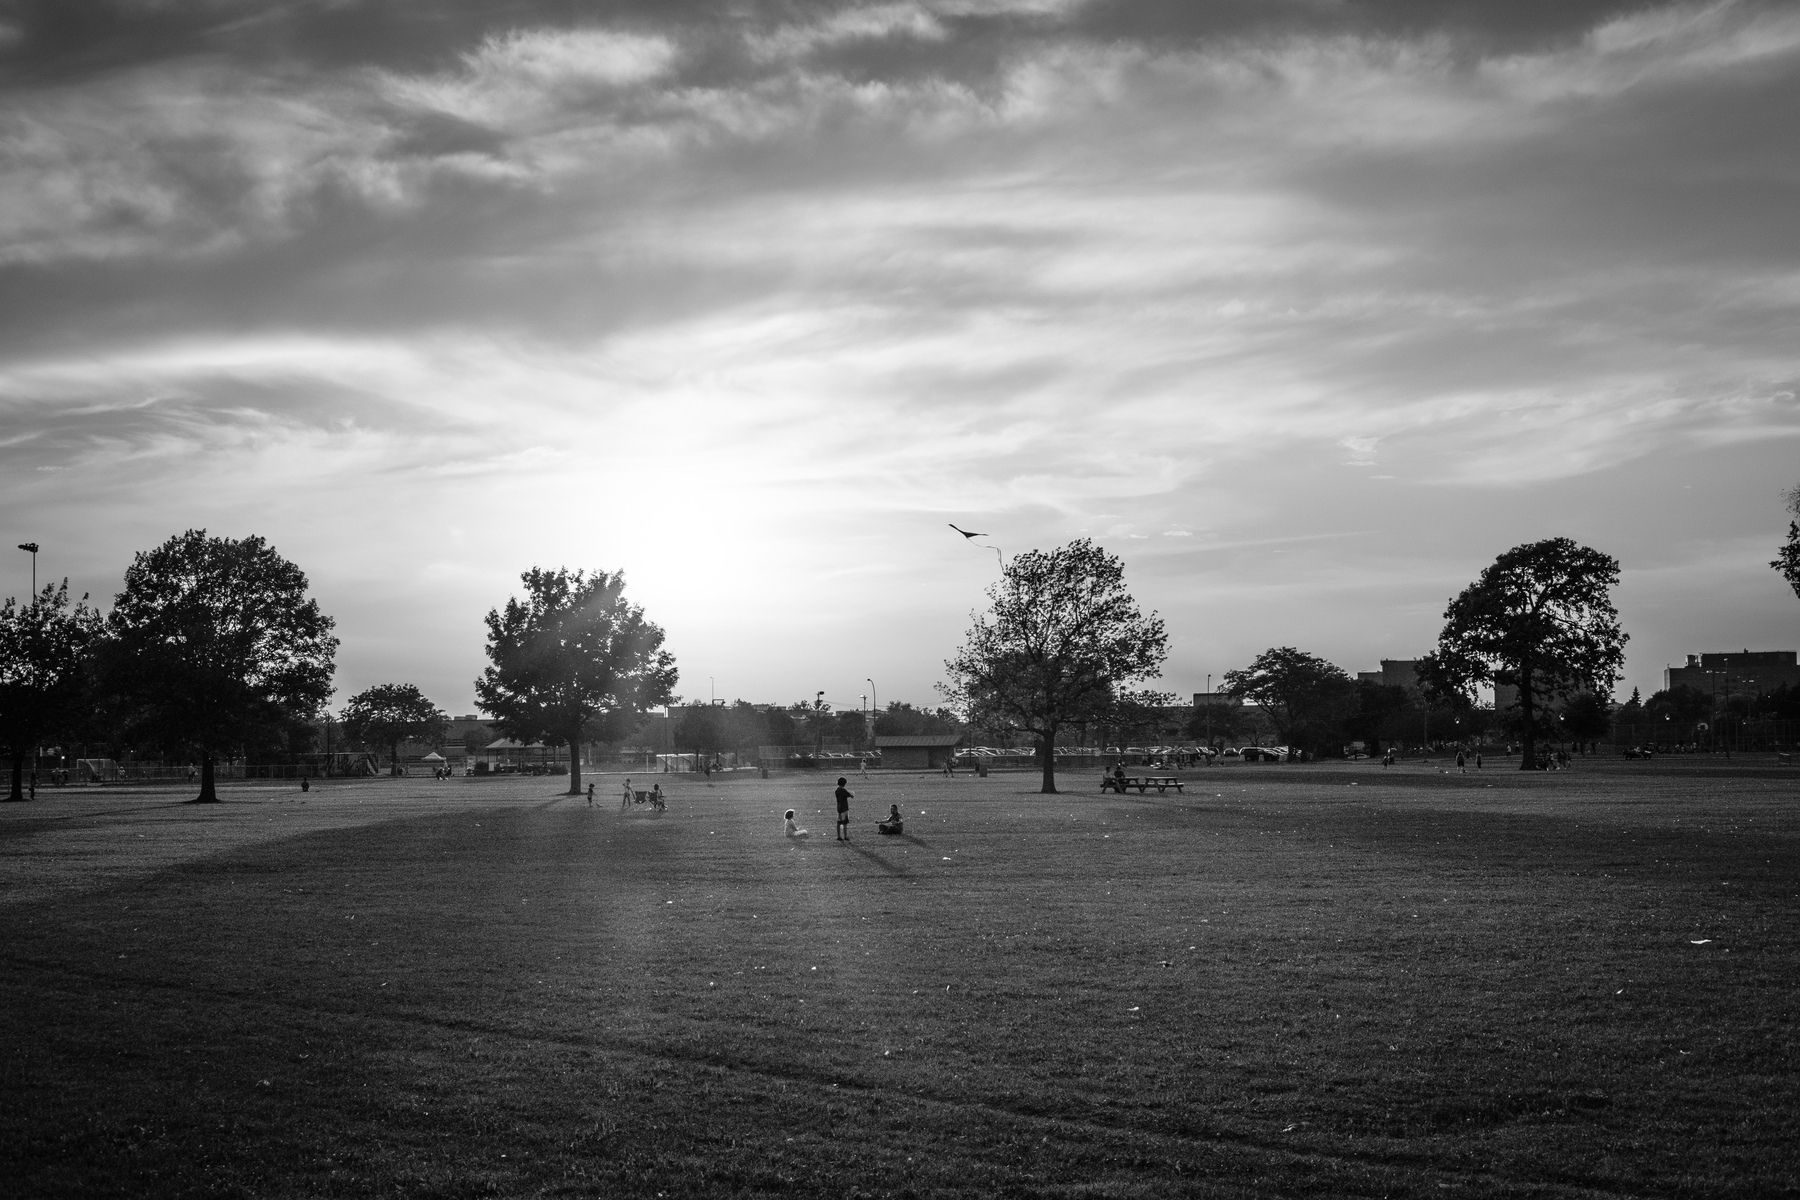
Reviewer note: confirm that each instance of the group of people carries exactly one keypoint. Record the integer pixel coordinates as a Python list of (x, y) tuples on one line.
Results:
[(843, 795), (653, 797)]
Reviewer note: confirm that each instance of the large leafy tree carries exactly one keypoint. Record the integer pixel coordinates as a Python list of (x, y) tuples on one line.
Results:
[(1060, 641), (901, 719), (390, 713), (215, 646), (1541, 620), (1787, 559), (45, 655), (571, 660), (1306, 698)]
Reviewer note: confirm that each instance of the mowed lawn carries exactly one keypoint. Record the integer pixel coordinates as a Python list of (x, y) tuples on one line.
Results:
[(1288, 981)]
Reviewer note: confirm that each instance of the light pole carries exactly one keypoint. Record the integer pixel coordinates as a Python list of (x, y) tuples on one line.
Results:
[(31, 548)]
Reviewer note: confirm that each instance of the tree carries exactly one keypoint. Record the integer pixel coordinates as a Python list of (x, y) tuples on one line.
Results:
[(1139, 716), (215, 645), (45, 656), (1678, 710), (1061, 640), (901, 719), (1305, 697), (390, 713), (1587, 718), (1787, 559), (573, 659), (1214, 723), (701, 730), (1381, 714), (1539, 619)]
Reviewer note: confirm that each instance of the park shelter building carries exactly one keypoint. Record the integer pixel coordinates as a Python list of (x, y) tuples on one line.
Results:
[(916, 752)]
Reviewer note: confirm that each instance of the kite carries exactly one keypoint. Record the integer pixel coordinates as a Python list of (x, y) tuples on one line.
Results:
[(998, 557)]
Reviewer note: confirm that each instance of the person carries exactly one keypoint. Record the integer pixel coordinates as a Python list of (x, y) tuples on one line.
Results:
[(626, 802), (1478, 760), (305, 784), (843, 795), (656, 797), (793, 830), (1461, 763), (590, 793), (893, 824)]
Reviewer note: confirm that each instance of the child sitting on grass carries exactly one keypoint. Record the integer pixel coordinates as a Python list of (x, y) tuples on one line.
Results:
[(793, 830), (893, 824)]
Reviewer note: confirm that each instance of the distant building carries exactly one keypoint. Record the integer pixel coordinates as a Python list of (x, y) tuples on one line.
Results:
[(1395, 672), (1741, 673)]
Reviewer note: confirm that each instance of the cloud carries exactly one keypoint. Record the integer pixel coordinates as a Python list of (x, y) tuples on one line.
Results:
[(1183, 275)]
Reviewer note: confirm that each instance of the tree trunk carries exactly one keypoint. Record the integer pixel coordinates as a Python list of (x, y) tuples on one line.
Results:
[(17, 794), (208, 792), (1046, 755), (1528, 720), (575, 764)]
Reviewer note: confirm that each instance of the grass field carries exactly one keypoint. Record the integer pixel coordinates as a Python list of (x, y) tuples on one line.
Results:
[(1288, 981)]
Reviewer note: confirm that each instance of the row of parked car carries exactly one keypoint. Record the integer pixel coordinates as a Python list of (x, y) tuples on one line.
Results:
[(1152, 754)]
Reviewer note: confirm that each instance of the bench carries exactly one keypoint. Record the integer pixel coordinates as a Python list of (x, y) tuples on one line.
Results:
[(1111, 783)]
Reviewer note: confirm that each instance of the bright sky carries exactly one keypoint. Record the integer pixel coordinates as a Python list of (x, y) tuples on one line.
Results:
[(1305, 309)]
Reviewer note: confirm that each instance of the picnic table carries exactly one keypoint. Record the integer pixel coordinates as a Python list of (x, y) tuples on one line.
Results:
[(1112, 783)]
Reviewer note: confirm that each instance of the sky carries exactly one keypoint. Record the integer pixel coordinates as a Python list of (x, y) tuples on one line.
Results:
[(1306, 310)]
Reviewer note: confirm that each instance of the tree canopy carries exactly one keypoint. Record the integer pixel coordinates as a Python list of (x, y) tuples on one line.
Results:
[(1305, 697), (390, 713), (45, 649), (1061, 640), (1539, 619), (571, 660), (215, 644), (1787, 559)]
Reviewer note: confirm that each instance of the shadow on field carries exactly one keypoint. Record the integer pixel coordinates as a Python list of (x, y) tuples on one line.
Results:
[(879, 860)]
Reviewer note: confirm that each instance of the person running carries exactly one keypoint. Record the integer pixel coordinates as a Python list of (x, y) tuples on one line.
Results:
[(843, 795)]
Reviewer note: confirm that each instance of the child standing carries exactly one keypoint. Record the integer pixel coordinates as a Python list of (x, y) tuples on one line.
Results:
[(843, 798)]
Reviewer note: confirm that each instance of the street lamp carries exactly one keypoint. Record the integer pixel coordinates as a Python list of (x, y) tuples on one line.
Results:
[(31, 548)]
